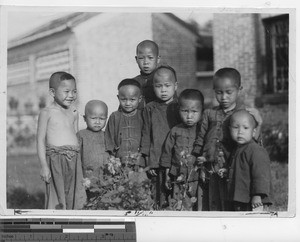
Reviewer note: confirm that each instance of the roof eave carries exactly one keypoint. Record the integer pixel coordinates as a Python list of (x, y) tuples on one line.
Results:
[(35, 37)]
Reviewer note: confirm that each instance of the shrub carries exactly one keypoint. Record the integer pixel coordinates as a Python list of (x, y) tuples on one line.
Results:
[(279, 173), (120, 187), (19, 198), (275, 131)]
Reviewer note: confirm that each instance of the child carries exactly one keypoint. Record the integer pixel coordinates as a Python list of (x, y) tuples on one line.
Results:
[(57, 146), (159, 117), (214, 143), (124, 128), (176, 157), (249, 173), (91, 140), (147, 58)]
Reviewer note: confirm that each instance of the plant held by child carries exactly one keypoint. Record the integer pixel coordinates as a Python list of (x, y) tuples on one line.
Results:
[(120, 186), (184, 197)]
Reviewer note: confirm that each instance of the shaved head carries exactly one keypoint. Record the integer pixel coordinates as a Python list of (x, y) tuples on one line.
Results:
[(57, 77), (165, 71), (243, 113), (95, 104), (148, 44)]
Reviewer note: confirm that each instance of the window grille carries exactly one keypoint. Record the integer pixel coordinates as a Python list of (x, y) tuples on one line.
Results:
[(277, 53)]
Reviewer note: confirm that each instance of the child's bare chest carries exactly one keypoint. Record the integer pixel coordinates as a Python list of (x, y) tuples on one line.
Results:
[(61, 120)]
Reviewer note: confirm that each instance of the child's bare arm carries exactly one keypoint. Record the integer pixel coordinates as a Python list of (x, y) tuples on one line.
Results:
[(41, 145), (168, 179), (76, 118)]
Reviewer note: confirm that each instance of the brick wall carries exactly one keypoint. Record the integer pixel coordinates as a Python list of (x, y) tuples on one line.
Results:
[(237, 43), (177, 46)]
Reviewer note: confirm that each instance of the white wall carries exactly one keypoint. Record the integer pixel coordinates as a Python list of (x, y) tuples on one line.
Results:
[(104, 54)]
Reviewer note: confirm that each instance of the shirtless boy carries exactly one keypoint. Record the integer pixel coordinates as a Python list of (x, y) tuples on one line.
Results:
[(57, 146)]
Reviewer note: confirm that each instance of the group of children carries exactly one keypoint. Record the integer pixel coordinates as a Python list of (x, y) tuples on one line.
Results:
[(216, 152)]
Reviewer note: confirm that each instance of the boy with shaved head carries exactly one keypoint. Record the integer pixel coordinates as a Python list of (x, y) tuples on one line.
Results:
[(159, 117), (249, 183), (214, 145), (91, 140), (124, 128), (176, 156), (57, 146), (147, 58)]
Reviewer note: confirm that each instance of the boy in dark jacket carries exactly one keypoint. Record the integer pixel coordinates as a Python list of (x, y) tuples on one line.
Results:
[(159, 117)]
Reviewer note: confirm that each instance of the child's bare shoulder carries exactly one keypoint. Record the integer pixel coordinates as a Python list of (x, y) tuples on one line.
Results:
[(45, 112), (48, 112)]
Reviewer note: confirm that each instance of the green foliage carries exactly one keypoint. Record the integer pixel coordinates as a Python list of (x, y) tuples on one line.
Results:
[(25, 137), (20, 198), (275, 132), (279, 176), (275, 138), (120, 187), (21, 134), (25, 189), (185, 185)]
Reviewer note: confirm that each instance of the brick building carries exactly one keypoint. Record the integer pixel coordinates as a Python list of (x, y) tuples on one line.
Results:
[(257, 45), (99, 50)]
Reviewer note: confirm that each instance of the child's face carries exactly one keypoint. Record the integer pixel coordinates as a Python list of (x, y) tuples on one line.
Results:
[(227, 92), (190, 111), (164, 87), (242, 128), (129, 98), (65, 94), (147, 59), (96, 117)]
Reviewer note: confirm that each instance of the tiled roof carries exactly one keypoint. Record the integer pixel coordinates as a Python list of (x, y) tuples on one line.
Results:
[(68, 22), (54, 26)]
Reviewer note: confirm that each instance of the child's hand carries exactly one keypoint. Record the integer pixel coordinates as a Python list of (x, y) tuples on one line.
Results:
[(168, 182), (202, 175), (255, 113), (152, 172), (111, 157), (222, 172), (200, 160), (256, 203), (45, 174)]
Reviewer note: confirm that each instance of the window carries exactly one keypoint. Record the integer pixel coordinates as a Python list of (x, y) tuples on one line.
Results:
[(204, 54), (18, 73), (277, 54), (47, 64)]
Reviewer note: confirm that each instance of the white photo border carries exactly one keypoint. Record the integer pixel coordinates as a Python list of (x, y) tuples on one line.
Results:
[(292, 109)]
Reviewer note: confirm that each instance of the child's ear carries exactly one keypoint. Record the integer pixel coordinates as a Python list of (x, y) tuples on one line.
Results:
[(254, 132), (84, 118), (118, 97), (136, 59), (52, 92), (176, 85), (158, 59), (140, 98)]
